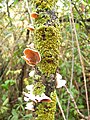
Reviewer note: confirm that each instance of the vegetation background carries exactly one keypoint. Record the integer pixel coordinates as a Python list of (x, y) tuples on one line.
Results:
[(74, 56)]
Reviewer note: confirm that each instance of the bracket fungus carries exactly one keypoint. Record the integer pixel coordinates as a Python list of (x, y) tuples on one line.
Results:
[(34, 15), (30, 106), (32, 57), (30, 27), (59, 81)]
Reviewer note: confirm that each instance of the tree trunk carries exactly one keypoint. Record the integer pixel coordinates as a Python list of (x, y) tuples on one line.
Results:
[(47, 41)]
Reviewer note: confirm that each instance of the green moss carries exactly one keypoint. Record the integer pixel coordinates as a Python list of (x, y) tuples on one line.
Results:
[(42, 19), (44, 4), (47, 41), (39, 88), (45, 110)]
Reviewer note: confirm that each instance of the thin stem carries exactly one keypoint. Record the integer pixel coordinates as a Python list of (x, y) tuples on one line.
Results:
[(80, 16), (85, 117), (72, 69), (31, 21), (8, 12), (27, 5), (80, 56), (60, 107)]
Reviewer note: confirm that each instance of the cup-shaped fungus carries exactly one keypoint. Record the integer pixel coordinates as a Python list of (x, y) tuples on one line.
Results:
[(30, 27), (34, 15), (59, 81), (43, 98), (32, 57), (30, 106)]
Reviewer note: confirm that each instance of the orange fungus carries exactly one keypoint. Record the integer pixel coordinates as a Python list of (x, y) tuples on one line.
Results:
[(46, 100), (30, 27), (32, 57), (34, 15)]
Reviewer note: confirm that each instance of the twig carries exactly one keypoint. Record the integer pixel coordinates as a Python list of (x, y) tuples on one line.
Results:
[(72, 69), (27, 5), (85, 117), (10, 59), (80, 56), (60, 107), (86, 60), (8, 12), (80, 16), (31, 20)]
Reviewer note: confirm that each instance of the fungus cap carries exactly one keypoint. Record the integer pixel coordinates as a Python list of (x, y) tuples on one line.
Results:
[(30, 27), (32, 57), (34, 15)]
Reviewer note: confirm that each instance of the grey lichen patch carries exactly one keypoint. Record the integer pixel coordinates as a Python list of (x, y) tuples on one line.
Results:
[(47, 41), (45, 110)]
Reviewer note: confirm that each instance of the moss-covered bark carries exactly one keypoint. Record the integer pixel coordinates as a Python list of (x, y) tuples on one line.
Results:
[(47, 41), (46, 111)]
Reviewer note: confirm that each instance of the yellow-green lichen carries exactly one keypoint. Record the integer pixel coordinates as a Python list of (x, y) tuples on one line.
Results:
[(42, 19), (45, 110), (39, 88), (47, 41), (44, 4)]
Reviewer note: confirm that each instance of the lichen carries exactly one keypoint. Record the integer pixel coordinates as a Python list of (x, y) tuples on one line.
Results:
[(42, 19), (47, 41), (44, 4), (45, 110), (39, 88)]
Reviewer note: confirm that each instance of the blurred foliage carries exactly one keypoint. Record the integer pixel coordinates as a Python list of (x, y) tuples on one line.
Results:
[(13, 70)]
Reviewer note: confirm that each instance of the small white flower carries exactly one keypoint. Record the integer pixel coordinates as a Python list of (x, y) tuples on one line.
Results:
[(30, 106), (59, 81), (32, 73)]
